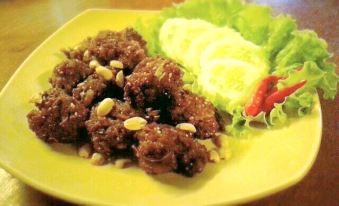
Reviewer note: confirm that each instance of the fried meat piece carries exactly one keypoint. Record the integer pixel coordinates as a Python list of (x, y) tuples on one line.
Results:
[(152, 83), (163, 148), (156, 83), (58, 117), (80, 52), (108, 133), (126, 46), (69, 73), (197, 111), (87, 91)]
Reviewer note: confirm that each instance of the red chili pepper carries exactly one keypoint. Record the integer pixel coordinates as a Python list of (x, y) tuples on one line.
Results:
[(279, 96), (274, 89), (256, 104)]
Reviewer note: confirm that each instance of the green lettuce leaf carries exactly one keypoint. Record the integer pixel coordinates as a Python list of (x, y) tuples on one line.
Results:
[(329, 81), (305, 46), (239, 125), (150, 34), (280, 33), (205, 10), (309, 72), (243, 125), (286, 48), (323, 77), (300, 102), (277, 116), (253, 23), (220, 12)]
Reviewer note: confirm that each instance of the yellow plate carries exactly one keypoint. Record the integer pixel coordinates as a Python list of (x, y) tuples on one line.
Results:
[(259, 166)]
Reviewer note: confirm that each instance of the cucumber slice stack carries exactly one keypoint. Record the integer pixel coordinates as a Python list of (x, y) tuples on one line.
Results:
[(227, 67)]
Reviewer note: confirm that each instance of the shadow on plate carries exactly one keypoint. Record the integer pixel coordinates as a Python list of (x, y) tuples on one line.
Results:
[(191, 183), (66, 149), (238, 149)]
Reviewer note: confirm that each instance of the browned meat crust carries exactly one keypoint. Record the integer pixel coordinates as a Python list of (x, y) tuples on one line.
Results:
[(152, 83), (69, 73), (108, 133), (156, 83), (197, 111), (91, 88), (163, 148), (126, 46), (58, 118), (153, 90), (80, 52)]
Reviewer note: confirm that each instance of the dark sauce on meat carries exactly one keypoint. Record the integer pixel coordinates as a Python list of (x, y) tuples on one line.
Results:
[(152, 89)]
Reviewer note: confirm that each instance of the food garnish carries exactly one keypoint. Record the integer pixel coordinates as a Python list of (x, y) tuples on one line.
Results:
[(227, 48)]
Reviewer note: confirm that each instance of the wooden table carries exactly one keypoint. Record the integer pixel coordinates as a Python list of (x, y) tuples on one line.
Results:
[(25, 24)]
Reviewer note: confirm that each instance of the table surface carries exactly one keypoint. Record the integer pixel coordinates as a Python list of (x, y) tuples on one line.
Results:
[(25, 24)]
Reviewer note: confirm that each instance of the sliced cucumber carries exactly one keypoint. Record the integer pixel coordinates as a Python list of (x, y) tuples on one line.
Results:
[(229, 82), (169, 31), (227, 67), (239, 49), (199, 44), (177, 34)]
